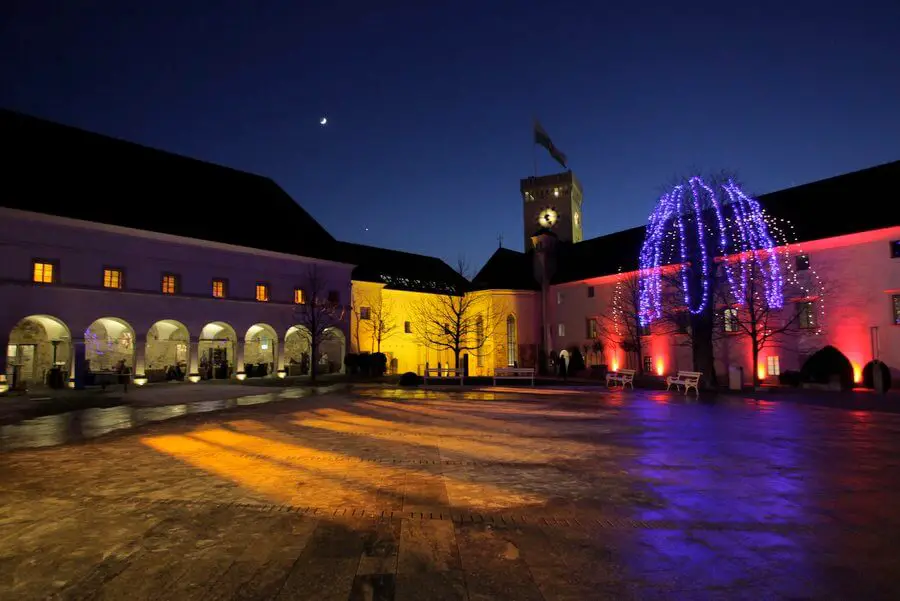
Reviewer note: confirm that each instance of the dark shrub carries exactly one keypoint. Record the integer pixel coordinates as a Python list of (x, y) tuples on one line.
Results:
[(790, 378), (351, 362), (410, 379), (576, 360), (868, 375), (364, 363), (378, 364), (826, 364), (543, 362)]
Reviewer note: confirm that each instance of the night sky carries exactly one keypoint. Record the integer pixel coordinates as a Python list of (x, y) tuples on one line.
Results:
[(430, 108)]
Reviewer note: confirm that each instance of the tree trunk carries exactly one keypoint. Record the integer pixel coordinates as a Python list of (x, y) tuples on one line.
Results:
[(702, 348), (639, 349), (313, 361), (755, 365), (456, 357)]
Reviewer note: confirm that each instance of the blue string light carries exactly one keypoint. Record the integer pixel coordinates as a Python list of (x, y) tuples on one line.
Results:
[(730, 225)]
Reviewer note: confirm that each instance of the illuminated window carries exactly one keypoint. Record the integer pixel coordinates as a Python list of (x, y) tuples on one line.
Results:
[(773, 366), (896, 300), (169, 283), (591, 332), (44, 272), (112, 278), (218, 288), (365, 313), (895, 249), (590, 289), (806, 315), (407, 327), (299, 296), (511, 340), (559, 298), (802, 262), (262, 293), (334, 297), (561, 329), (730, 320)]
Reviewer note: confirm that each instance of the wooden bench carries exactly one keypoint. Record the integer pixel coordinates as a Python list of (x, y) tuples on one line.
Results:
[(443, 373), (514, 373), (623, 377), (688, 379)]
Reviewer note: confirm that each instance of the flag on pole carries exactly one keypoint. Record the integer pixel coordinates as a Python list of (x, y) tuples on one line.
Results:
[(541, 137)]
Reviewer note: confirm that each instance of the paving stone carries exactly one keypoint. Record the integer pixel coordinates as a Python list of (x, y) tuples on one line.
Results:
[(410, 495)]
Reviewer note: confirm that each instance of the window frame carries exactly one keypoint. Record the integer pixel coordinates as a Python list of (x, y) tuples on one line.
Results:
[(54, 270), (730, 325), (773, 368), (895, 309), (561, 330), (120, 270), (590, 292), (811, 319), (407, 327), (302, 293), (268, 290), (224, 282), (176, 279), (365, 313)]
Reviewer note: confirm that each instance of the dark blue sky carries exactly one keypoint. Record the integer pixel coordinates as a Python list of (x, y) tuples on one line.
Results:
[(430, 108)]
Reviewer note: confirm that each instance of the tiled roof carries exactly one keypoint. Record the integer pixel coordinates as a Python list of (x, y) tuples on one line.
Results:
[(401, 270), (68, 172), (854, 202), (507, 270)]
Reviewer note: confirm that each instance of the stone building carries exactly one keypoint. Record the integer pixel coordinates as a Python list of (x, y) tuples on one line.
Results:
[(116, 254)]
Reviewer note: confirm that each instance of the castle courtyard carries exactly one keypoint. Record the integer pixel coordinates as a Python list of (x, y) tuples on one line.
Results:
[(520, 494)]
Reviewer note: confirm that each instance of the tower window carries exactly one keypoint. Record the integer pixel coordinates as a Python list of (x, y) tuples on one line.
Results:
[(773, 365), (590, 290), (219, 288), (896, 299), (561, 329), (262, 292), (43, 272), (365, 313), (895, 249), (334, 297), (112, 278), (169, 283), (802, 262), (407, 327), (299, 296)]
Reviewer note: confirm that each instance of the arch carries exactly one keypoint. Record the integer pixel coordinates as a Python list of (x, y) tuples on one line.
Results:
[(331, 351), (108, 342), (260, 350), (512, 345), (40, 346), (167, 351), (297, 342), (216, 351)]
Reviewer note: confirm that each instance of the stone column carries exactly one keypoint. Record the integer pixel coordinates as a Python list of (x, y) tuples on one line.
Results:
[(77, 365), (278, 350), (140, 361), (194, 359), (239, 371), (4, 379)]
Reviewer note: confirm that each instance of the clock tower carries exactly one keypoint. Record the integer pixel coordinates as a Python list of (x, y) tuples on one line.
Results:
[(552, 202)]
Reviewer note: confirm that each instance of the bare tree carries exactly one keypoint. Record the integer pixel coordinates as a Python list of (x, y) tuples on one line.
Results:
[(382, 320), (619, 324), (748, 313), (321, 315), (455, 320)]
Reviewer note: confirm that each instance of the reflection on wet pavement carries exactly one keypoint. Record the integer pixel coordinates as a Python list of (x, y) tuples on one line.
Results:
[(507, 494)]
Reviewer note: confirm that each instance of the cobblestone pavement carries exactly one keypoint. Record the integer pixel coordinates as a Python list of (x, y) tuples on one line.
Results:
[(398, 495)]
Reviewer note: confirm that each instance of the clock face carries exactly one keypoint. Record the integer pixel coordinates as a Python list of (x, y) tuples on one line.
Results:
[(547, 217)]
